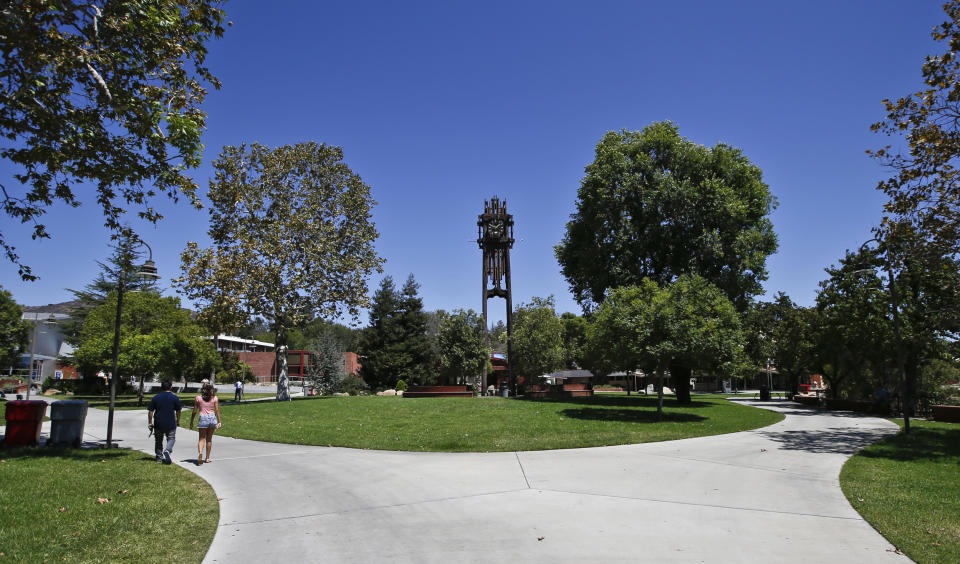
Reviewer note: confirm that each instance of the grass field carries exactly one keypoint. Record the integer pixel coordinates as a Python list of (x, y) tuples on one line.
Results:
[(62, 505), (908, 488), (484, 424)]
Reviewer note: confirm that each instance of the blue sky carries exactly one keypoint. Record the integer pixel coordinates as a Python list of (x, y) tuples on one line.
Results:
[(441, 105)]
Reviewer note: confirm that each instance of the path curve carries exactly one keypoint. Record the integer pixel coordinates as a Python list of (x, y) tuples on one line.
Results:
[(767, 495)]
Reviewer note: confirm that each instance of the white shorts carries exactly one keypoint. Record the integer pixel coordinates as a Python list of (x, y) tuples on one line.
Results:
[(207, 420)]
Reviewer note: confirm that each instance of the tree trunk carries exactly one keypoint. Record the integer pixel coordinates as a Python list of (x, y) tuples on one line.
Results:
[(659, 394), (283, 373), (681, 381)]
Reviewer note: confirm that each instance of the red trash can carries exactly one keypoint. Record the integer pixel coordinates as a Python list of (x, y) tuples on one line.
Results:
[(24, 418)]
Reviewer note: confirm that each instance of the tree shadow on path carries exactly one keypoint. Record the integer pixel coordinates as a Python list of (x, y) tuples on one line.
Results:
[(830, 440)]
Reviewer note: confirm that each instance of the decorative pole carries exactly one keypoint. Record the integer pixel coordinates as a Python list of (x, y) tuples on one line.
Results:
[(495, 239)]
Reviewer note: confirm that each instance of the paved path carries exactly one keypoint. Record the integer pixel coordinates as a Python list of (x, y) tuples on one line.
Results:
[(768, 495)]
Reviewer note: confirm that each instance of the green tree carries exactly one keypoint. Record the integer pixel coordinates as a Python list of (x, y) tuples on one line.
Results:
[(125, 259), (854, 345), (292, 240), (656, 205), (157, 337), (106, 93), (780, 331), (574, 340), (924, 189), (395, 345), (462, 354), (651, 328), (326, 369), (537, 340), (13, 330)]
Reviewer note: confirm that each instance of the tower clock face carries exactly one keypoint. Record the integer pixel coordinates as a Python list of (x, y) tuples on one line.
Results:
[(495, 228)]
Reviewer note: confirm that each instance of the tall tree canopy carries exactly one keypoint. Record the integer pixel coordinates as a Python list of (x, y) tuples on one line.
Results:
[(292, 240), (108, 93), (395, 346), (13, 330), (924, 189), (655, 205)]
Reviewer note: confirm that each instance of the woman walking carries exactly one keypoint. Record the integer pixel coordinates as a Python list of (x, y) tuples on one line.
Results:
[(208, 407)]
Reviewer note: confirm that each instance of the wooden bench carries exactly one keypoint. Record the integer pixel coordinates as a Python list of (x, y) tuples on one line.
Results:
[(438, 392)]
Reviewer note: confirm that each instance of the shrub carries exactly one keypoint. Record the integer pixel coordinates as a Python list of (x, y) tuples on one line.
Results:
[(401, 386), (354, 385)]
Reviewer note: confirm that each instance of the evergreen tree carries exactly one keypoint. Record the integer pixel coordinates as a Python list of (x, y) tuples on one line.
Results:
[(125, 259), (395, 346), (326, 369)]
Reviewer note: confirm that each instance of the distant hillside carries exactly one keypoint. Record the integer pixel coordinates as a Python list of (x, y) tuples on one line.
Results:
[(62, 307)]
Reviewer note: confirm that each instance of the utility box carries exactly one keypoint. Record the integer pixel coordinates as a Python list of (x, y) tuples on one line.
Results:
[(24, 418), (68, 417)]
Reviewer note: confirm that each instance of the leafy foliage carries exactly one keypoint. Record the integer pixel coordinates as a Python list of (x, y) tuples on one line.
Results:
[(655, 205), (574, 340), (123, 261), (395, 345), (856, 346), (923, 190), (461, 352), (650, 328), (156, 337), (326, 369), (537, 340), (108, 93), (13, 330), (292, 240), (782, 332)]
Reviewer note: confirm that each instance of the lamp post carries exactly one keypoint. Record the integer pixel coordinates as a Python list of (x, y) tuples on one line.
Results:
[(147, 271)]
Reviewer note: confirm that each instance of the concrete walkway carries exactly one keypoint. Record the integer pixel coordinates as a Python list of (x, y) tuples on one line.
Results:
[(768, 495)]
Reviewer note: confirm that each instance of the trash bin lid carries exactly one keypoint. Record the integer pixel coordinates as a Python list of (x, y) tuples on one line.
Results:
[(69, 402)]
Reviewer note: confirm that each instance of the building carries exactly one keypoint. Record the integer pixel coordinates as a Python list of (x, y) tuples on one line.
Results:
[(45, 344), (262, 359)]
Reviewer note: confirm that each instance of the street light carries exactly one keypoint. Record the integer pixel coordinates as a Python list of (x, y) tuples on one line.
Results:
[(149, 272)]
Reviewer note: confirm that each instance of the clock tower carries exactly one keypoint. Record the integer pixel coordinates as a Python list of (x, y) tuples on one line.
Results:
[(495, 238)]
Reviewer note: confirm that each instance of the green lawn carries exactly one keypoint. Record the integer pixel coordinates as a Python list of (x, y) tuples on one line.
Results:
[(908, 488), (484, 424), (49, 509)]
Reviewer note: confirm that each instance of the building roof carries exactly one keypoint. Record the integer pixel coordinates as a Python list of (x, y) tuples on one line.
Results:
[(233, 339), (44, 316)]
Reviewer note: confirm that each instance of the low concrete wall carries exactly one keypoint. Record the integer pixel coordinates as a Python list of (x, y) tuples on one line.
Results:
[(946, 413)]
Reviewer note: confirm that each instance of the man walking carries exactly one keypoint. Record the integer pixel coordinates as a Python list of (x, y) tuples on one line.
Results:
[(163, 417), (238, 390)]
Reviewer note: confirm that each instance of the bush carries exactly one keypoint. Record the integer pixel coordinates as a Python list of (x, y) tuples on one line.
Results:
[(401, 386), (354, 385)]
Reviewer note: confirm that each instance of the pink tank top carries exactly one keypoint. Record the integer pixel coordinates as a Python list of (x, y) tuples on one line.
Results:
[(205, 407)]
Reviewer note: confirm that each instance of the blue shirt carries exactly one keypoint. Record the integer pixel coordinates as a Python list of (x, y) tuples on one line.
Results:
[(165, 407)]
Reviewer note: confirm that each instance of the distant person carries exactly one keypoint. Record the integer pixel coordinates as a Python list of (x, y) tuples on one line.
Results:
[(237, 390), (163, 417), (207, 407)]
